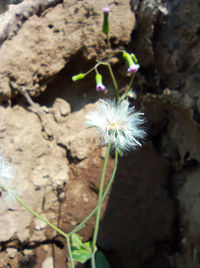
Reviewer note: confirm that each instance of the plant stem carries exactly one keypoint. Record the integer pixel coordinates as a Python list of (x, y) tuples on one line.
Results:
[(51, 225), (96, 228), (40, 217), (93, 260), (127, 91), (93, 68), (114, 81), (70, 251), (109, 46), (82, 224)]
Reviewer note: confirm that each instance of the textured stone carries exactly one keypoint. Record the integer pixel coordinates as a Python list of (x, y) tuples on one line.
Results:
[(48, 263), (59, 161), (44, 43)]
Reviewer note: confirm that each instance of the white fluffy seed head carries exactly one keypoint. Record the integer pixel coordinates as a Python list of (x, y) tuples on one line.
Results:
[(118, 124), (7, 175)]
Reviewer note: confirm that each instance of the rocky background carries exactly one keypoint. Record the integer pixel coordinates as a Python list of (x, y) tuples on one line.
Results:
[(151, 218)]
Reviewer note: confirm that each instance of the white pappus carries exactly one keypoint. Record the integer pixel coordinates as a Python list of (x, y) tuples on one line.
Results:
[(7, 175), (119, 124)]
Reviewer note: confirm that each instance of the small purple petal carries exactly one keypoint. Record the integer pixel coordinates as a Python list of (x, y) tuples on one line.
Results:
[(100, 87), (106, 9), (134, 68)]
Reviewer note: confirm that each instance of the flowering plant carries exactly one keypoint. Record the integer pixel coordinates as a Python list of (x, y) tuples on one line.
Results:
[(120, 127)]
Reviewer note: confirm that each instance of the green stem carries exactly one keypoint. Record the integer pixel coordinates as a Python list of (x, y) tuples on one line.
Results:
[(109, 46), (127, 91), (40, 217), (114, 81), (82, 224), (93, 68), (131, 82), (96, 228), (50, 224), (93, 260), (70, 252)]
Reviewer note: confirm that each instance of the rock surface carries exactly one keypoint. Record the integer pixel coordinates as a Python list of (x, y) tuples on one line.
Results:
[(46, 38), (151, 217)]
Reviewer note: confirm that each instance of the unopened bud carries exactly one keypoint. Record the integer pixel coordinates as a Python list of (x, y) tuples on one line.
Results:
[(78, 77), (105, 28), (99, 84), (131, 60), (128, 58)]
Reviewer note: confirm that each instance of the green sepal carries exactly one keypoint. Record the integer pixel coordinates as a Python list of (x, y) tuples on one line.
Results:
[(128, 58), (133, 57), (78, 77), (105, 28), (81, 252)]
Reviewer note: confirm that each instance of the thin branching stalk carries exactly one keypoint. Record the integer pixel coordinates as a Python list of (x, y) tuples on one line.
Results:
[(40, 217), (93, 264), (114, 81), (49, 224), (69, 251), (96, 228), (82, 224), (131, 82)]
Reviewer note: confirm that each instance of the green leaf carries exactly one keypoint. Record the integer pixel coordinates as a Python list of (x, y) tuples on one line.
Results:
[(77, 241), (81, 255), (81, 252), (101, 261)]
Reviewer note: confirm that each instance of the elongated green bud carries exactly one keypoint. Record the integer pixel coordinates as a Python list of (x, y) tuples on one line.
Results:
[(132, 62), (99, 84), (78, 77), (105, 28), (98, 78), (128, 58)]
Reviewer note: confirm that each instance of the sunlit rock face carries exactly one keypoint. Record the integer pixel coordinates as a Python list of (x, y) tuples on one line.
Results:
[(151, 217)]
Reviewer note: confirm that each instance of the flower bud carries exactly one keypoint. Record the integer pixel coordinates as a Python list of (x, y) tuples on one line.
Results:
[(105, 28), (99, 84), (78, 77), (131, 60), (128, 58), (133, 68)]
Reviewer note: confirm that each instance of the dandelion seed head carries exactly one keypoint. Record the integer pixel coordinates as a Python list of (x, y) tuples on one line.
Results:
[(118, 124), (7, 176)]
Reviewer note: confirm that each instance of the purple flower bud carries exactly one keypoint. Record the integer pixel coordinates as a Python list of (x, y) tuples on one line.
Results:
[(100, 87), (133, 68), (106, 9), (99, 84)]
